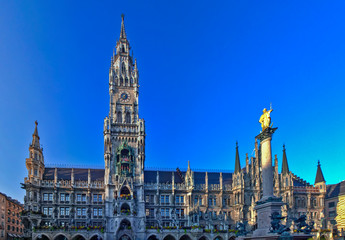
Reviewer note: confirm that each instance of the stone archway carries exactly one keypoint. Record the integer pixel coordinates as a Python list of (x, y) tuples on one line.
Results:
[(185, 237), (169, 237), (78, 237), (218, 238), (42, 237), (153, 237), (60, 237), (96, 237), (125, 237)]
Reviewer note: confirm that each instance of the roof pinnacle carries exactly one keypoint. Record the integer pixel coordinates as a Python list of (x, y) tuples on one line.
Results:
[(285, 165), (237, 160), (123, 31)]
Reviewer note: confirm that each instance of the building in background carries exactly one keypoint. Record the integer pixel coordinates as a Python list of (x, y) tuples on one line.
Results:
[(335, 208), (126, 201), (11, 226)]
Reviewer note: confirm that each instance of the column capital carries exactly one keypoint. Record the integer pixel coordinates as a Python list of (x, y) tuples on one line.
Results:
[(267, 133)]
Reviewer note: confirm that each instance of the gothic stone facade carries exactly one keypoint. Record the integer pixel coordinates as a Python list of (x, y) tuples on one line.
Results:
[(125, 201)]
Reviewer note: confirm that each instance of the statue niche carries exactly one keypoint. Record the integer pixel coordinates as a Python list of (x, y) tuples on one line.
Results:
[(125, 160)]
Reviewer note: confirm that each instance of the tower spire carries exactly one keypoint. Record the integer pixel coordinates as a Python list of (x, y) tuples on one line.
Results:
[(237, 160), (35, 137), (285, 166), (123, 30), (319, 175)]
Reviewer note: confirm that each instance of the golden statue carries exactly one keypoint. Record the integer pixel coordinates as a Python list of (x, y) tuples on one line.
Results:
[(265, 119)]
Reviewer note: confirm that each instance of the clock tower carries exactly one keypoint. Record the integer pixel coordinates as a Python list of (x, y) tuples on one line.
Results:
[(124, 147)]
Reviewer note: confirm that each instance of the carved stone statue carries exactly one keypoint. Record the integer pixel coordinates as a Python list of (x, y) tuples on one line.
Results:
[(265, 119)]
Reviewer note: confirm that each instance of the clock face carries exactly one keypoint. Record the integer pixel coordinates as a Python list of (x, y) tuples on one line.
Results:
[(124, 97)]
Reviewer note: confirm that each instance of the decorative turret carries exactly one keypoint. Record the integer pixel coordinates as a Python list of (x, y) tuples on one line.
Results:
[(285, 165), (35, 162), (319, 179)]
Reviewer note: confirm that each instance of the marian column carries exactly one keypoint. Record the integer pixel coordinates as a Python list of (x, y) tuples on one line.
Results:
[(269, 203), (266, 162)]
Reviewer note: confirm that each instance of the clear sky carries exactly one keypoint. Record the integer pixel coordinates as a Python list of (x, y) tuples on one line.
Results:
[(207, 69)]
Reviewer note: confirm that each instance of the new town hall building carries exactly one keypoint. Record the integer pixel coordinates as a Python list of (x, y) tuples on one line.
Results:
[(126, 201)]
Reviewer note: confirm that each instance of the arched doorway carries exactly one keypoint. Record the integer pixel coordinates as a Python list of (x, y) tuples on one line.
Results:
[(169, 237), (60, 237), (125, 237), (42, 237), (185, 237), (78, 237), (96, 237), (152, 237)]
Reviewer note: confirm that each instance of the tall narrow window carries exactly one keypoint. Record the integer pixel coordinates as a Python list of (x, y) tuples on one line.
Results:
[(119, 117), (128, 117)]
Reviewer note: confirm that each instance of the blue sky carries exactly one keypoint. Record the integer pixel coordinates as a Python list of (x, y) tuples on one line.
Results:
[(207, 69)]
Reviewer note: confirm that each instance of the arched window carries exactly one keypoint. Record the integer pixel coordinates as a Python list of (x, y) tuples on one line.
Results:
[(128, 117), (126, 81), (123, 68), (119, 117), (121, 81)]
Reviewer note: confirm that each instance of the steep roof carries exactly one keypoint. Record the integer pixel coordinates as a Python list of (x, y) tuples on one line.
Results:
[(319, 175), (335, 190), (79, 174), (150, 176)]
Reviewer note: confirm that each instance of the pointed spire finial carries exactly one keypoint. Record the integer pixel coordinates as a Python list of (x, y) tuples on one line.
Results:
[(237, 160), (285, 165), (123, 31), (36, 131)]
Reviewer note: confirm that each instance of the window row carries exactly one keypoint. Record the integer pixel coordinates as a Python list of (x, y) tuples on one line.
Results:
[(14, 229), (65, 197), (165, 212), (165, 199), (13, 220)]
